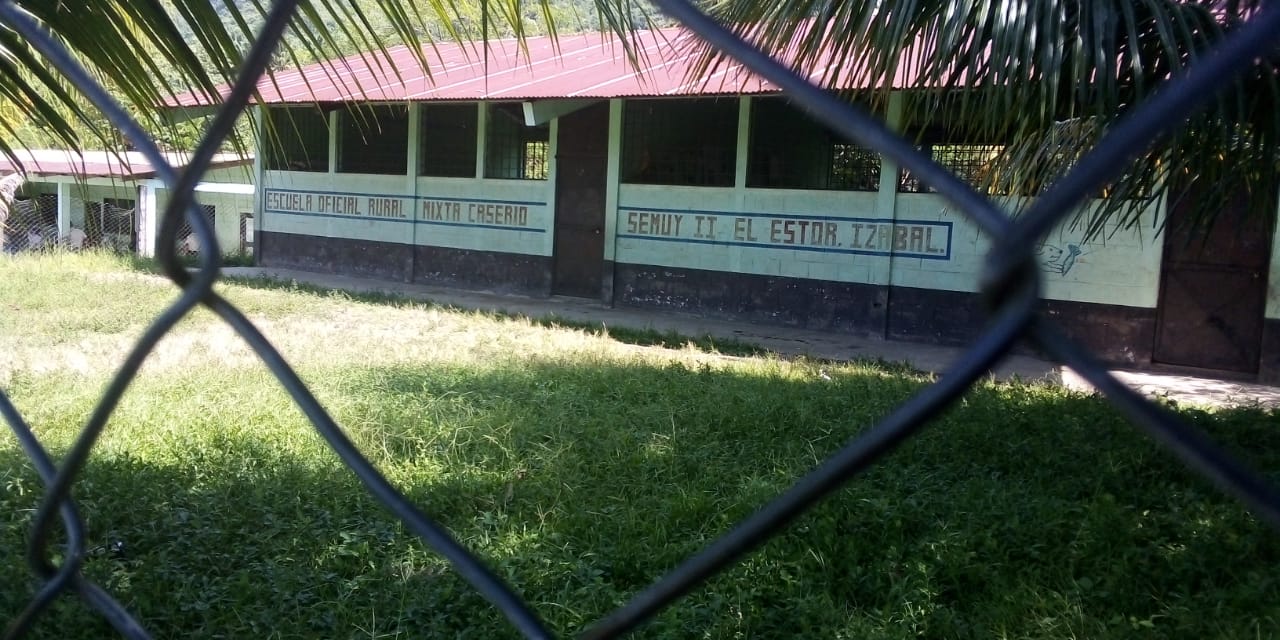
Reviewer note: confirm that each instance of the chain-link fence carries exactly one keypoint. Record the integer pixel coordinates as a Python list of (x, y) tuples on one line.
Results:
[(1011, 283), (110, 224), (31, 224)]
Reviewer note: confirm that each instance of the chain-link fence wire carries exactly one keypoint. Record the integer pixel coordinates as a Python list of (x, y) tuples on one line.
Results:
[(107, 224), (1010, 283), (31, 224)]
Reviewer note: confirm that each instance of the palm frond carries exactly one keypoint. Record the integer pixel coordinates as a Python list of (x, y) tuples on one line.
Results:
[(1012, 70), (146, 51)]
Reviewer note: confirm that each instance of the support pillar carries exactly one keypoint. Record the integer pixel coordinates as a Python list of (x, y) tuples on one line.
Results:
[(64, 210), (148, 220)]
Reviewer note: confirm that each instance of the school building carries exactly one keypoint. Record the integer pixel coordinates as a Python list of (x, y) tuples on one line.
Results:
[(569, 172)]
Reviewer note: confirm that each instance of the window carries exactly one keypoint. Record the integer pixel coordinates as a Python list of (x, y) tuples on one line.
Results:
[(447, 140), (374, 140), (512, 149), (680, 142), (32, 223), (790, 151), (975, 164), (959, 140), (188, 244), (246, 233), (111, 224), (298, 139)]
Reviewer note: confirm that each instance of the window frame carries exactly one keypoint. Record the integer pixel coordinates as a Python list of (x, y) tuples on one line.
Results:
[(507, 147), (647, 159), (824, 173), (471, 127), (281, 129), (362, 120)]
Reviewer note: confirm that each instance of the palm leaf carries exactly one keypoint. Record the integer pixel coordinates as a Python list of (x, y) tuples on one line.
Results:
[(146, 51), (1013, 70)]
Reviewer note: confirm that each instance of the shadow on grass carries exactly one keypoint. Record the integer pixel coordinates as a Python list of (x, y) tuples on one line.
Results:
[(705, 343), (1025, 512), (191, 261), (639, 337)]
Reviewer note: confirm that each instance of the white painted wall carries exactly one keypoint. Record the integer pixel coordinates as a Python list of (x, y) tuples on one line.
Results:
[(226, 218), (1121, 266), (513, 216), (880, 237)]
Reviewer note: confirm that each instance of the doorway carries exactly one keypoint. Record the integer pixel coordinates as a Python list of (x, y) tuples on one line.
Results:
[(1213, 287), (582, 147)]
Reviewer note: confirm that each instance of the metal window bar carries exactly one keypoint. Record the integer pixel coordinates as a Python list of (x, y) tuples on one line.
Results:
[(111, 224), (679, 142), (512, 149), (788, 150), (972, 163), (246, 234), (297, 140), (189, 242), (1011, 281), (31, 224), (535, 159), (447, 140), (853, 168), (374, 140)]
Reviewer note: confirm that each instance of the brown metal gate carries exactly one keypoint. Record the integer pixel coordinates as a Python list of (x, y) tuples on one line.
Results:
[(1213, 286), (581, 160)]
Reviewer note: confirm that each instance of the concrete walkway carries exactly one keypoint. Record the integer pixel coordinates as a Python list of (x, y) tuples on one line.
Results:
[(1182, 389)]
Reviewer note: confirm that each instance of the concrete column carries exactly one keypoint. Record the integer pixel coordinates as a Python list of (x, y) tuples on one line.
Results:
[(148, 219), (415, 109), (613, 178), (64, 209), (613, 171), (744, 143), (887, 198), (258, 181), (334, 123), (411, 187), (482, 123), (549, 186)]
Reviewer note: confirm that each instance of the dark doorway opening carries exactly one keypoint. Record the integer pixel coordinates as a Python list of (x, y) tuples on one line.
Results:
[(1213, 286), (582, 146)]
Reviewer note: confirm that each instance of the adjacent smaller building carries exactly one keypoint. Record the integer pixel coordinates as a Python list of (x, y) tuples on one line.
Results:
[(114, 200)]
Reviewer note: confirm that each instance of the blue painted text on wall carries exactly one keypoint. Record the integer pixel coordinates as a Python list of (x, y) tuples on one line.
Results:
[(356, 205), (429, 210), (906, 238)]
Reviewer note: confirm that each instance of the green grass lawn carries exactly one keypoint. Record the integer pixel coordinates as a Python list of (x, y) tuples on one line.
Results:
[(581, 467)]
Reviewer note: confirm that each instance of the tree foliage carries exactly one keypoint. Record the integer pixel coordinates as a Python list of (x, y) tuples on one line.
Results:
[(144, 51), (1046, 80)]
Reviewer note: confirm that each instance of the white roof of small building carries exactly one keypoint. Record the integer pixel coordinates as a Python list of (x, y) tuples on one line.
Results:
[(125, 165)]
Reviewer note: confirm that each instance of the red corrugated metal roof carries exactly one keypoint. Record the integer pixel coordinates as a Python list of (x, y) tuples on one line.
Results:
[(592, 65), (130, 165)]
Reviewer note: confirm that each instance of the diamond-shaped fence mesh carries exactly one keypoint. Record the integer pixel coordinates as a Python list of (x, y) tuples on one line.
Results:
[(107, 224), (1010, 282), (31, 224)]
